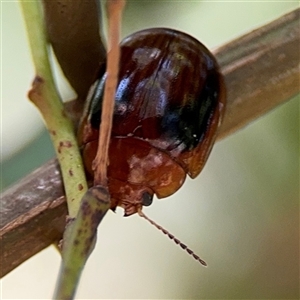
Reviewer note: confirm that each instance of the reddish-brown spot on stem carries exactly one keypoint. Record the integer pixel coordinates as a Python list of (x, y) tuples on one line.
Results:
[(64, 144), (38, 80)]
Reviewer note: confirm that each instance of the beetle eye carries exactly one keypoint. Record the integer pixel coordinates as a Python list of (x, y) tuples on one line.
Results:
[(146, 199)]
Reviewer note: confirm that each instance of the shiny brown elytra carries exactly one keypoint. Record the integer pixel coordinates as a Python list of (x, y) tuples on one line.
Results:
[(170, 101)]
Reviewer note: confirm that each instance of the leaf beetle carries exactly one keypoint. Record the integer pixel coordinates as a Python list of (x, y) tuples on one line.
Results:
[(169, 103)]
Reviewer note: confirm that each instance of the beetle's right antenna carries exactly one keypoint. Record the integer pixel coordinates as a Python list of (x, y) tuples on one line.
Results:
[(172, 237)]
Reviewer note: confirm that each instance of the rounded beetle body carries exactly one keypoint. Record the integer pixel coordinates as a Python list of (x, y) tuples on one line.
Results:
[(169, 103)]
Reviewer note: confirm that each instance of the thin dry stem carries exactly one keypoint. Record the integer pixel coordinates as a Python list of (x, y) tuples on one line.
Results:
[(114, 10)]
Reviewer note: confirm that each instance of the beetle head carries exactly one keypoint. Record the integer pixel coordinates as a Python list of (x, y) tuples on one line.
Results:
[(129, 196)]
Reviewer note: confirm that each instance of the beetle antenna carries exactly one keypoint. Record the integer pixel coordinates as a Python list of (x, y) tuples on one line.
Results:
[(172, 237)]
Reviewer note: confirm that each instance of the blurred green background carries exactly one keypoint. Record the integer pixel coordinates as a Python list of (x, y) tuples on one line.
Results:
[(241, 214)]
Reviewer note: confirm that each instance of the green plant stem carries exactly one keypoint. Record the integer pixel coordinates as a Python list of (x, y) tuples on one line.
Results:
[(45, 96), (81, 238), (86, 208)]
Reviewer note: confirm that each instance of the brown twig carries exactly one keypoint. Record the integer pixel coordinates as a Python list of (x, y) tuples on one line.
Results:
[(73, 30), (261, 69), (114, 12), (255, 85)]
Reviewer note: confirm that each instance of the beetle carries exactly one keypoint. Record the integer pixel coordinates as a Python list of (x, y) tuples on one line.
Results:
[(169, 103)]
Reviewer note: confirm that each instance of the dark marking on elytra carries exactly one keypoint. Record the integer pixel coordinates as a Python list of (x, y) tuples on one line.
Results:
[(71, 172), (80, 187)]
